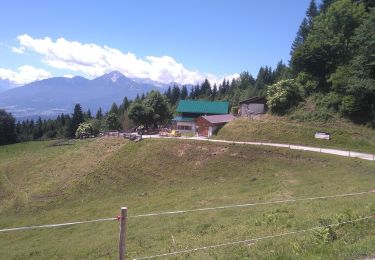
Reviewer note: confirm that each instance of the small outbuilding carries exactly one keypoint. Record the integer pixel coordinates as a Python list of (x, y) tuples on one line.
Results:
[(252, 106), (207, 125)]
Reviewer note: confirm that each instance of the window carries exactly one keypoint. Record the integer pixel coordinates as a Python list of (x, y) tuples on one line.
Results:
[(184, 127)]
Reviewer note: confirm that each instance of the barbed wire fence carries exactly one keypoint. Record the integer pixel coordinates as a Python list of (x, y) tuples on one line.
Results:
[(253, 240), (123, 219)]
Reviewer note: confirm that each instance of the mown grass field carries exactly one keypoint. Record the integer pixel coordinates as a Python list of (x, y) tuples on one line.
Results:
[(344, 135), (42, 184)]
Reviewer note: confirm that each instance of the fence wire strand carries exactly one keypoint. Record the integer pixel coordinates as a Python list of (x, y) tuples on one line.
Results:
[(57, 225), (189, 211), (249, 204), (252, 240)]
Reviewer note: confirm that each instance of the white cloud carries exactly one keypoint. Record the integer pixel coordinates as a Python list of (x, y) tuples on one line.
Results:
[(24, 74), (18, 50), (95, 60)]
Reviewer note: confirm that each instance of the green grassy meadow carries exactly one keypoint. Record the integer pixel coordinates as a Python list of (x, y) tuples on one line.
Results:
[(41, 184), (344, 135)]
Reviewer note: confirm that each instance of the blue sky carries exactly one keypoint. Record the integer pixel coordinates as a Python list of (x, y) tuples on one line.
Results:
[(188, 40)]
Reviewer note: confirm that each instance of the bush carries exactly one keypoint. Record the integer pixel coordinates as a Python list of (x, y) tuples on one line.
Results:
[(84, 129), (307, 83), (283, 95), (348, 105), (234, 110)]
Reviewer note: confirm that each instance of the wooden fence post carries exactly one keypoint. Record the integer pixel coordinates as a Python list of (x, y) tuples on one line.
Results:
[(122, 237)]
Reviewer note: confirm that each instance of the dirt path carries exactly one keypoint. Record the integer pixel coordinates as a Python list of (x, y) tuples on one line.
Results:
[(364, 156)]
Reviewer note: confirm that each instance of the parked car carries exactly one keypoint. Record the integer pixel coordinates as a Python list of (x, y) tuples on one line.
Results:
[(170, 133), (175, 133)]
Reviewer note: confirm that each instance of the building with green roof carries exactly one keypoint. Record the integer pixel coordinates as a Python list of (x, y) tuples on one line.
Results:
[(203, 107), (189, 110)]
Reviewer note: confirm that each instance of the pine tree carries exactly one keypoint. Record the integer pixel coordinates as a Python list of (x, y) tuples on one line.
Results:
[(114, 109), (214, 93), (311, 12), (168, 93), (301, 35), (77, 118), (206, 89), (325, 4), (175, 95), (184, 92), (305, 26), (38, 130), (197, 91), (126, 103), (99, 114), (7, 128), (192, 93), (88, 114)]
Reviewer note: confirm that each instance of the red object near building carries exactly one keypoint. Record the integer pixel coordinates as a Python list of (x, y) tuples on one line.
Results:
[(207, 125)]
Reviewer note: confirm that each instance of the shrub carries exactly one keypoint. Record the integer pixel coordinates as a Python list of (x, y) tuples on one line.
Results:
[(84, 129), (307, 83), (234, 110), (283, 95)]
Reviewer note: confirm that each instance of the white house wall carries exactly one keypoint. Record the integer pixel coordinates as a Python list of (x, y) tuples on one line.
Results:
[(250, 109), (182, 125)]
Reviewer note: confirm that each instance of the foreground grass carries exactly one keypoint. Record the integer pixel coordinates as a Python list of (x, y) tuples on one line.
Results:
[(344, 135), (93, 179)]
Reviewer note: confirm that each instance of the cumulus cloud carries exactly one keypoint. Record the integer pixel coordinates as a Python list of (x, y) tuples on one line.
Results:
[(24, 74), (18, 50), (95, 60)]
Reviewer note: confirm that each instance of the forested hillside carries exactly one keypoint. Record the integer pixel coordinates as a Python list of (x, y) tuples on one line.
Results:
[(330, 75), (333, 57)]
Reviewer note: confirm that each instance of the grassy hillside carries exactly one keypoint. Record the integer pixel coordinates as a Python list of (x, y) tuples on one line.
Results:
[(42, 183), (344, 135)]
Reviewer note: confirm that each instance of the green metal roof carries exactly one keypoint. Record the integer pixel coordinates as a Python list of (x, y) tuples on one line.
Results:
[(183, 119), (204, 107)]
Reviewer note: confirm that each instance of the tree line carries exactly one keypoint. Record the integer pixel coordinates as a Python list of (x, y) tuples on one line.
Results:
[(150, 109), (332, 68), (332, 63)]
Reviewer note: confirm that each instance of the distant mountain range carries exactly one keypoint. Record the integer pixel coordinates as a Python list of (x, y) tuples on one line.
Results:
[(5, 85), (49, 97)]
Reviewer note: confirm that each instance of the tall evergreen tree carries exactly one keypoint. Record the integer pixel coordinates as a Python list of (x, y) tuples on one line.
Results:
[(305, 27), (77, 118), (184, 92), (301, 35), (114, 109), (206, 89), (325, 4), (214, 93), (7, 128), (168, 93), (99, 114), (197, 91), (311, 12), (38, 131), (126, 103), (88, 114), (175, 95)]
